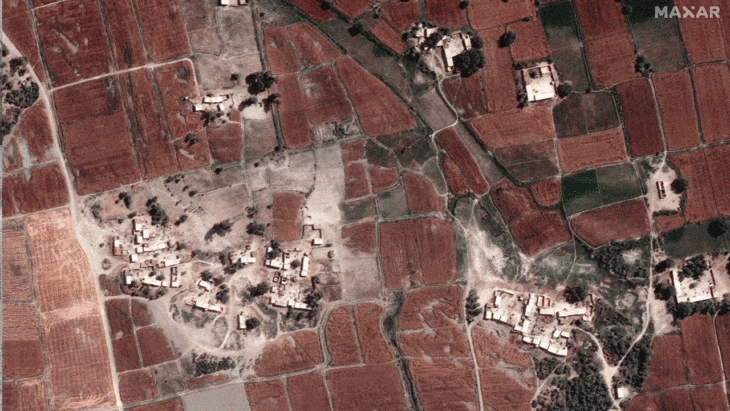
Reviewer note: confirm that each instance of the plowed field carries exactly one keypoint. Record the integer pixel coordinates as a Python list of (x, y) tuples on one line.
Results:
[(352, 8), (373, 347), (279, 51), (446, 13), (445, 384), (18, 26), (124, 34), (668, 367), (457, 150), (620, 221), (722, 327), (136, 386), (379, 110), (140, 314), (22, 351), (531, 43), (389, 37), (456, 181), (356, 181), (293, 112), (709, 399), (312, 47), (667, 223), (45, 189), (592, 150), (73, 41), (642, 128), (154, 346), (175, 81), (712, 85), (360, 237), (313, 9), (503, 393), (174, 404), (267, 396), (16, 270), (421, 196), (600, 18), (611, 59), (400, 15), (225, 142), (307, 392), (491, 13), (325, 99), (194, 153), (163, 29), (382, 178), (366, 388), (547, 192), (515, 127), (718, 163), (126, 353), (700, 347), (31, 142), (431, 307), (530, 162), (119, 315), (419, 251), (701, 204), (341, 338), (287, 224), (444, 342), (291, 352), (497, 80), (491, 350), (29, 395), (676, 101), (702, 37), (467, 96)]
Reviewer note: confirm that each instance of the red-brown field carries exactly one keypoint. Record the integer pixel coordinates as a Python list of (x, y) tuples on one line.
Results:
[(503, 393), (225, 142), (497, 82), (78, 370), (95, 135), (722, 327), (467, 96), (703, 359), (360, 236), (46, 188), (701, 204), (156, 18), (312, 47), (708, 399), (382, 178), (307, 392), (109, 286), (279, 51), (18, 26), (325, 98), (712, 86), (356, 181), (667, 223), (379, 110), (621, 221), (287, 224), (389, 37), (352, 8), (456, 181), (293, 112), (175, 81), (611, 59), (267, 396), (126, 353), (192, 152), (432, 307), (676, 102), (136, 386), (490, 350), (291, 352), (530, 162), (33, 136), (341, 338), (313, 9), (702, 37), (490, 13), (445, 342), (446, 13), (124, 35), (16, 270), (140, 314), (22, 351), (455, 148), (675, 400), (119, 317), (531, 43), (718, 163), (515, 127), (421, 196), (174, 404), (534, 230), (600, 18), (373, 347), (667, 367), (419, 251), (73, 41), (214, 379), (445, 384), (154, 346), (400, 15), (642, 127), (147, 124), (29, 395), (592, 150), (366, 388), (547, 192)]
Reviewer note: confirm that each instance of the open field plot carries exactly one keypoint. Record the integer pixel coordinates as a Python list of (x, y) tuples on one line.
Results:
[(467, 96), (225, 142), (668, 367), (352, 8), (307, 392), (366, 388), (704, 38), (676, 101), (691, 239), (592, 150), (718, 162), (446, 13), (267, 396), (41, 189), (700, 195), (458, 152), (700, 347), (174, 404), (156, 20), (498, 82), (547, 193), (291, 352), (419, 251), (18, 26), (175, 81), (400, 15), (618, 183), (312, 47), (137, 386), (722, 327), (124, 35), (611, 59), (529, 162), (581, 192), (585, 113), (640, 119), (486, 14), (421, 195), (279, 51), (389, 37), (561, 30), (325, 98), (313, 9), (515, 127), (657, 40), (22, 351), (621, 221), (73, 41), (712, 88), (341, 338), (16, 268), (600, 19), (531, 43), (31, 142), (445, 383), (29, 395)]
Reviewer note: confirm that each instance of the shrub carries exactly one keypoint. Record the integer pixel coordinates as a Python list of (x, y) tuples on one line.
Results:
[(506, 39), (206, 364), (126, 198), (564, 90), (24, 96), (679, 185), (664, 266), (259, 82), (464, 4), (356, 28), (255, 228), (473, 308), (695, 267), (259, 290), (664, 291), (219, 229), (252, 323), (469, 62), (575, 293), (718, 227)]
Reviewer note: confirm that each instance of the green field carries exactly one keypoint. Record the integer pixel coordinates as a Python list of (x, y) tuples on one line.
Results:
[(580, 192), (558, 15), (561, 30), (643, 10), (595, 188), (692, 239), (618, 183)]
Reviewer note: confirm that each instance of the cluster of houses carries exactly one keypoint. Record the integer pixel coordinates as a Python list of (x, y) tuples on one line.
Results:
[(689, 290), (537, 318), (540, 81), (211, 103), (447, 47), (152, 259), (233, 2)]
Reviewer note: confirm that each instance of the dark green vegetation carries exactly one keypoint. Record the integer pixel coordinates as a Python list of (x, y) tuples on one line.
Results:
[(580, 192), (252, 323), (544, 367), (259, 290), (219, 229), (561, 29), (24, 96), (679, 185), (635, 366), (658, 40), (664, 291), (223, 295), (255, 228), (506, 39), (717, 228), (575, 293), (473, 308), (692, 239), (615, 331), (126, 198), (585, 113), (611, 257), (683, 310), (558, 15), (694, 267), (158, 214), (470, 61), (618, 183), (208, 364), (641, 11), (259, 82)]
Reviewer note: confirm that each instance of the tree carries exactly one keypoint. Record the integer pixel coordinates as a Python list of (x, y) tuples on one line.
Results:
[(695, 267), (255, 228), (473, 308), (356, 28), (575, 293), (206, 275), (235, 77), (664, 266), (158, 214), (126, 198), (564, 90), (718, 227), (469, 62), (464, 4), (664, 291), (219, 229), (223, 295), (271, 100), (679, 185), (259, 290), (252, 323), (506, 39), (259, 82)]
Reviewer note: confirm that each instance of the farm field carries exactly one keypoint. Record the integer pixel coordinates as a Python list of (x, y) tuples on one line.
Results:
[(28, 395), (491, 13), (704, 38), (16, 269), (611, 59), (42, 189), (701, 203), (657, 40), (124, 36), (561, 30), (718, 164), (712, 88), (497, 84), (547, 193), (531, 43), (307, 392), (313, 9), (155, 19), (292, 352), (446, 13), (18, 26), (467, 96), (341, 338), (701, 353), (642, 127), (592, 150), (31, 142), (530, 162), (588, 113), (458, 152), (366, 388), (287, 224), (676, 101), (400, 15), (421, 196), (621, 221), (389, 37), (514, 127)]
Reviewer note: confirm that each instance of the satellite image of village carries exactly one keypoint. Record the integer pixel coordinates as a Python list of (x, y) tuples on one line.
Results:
[(365, 205)]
